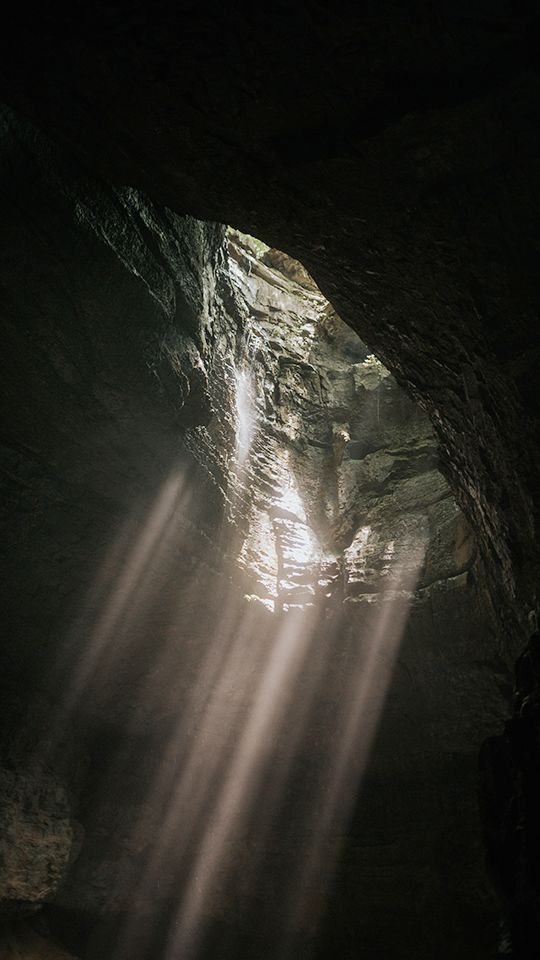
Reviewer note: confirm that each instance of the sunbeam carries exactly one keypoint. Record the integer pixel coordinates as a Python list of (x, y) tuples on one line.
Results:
[(364, 690), (132, 567), (245, 413), (257, 664)]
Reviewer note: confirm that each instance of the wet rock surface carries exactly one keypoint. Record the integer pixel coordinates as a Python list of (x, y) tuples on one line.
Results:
[(341, 468)]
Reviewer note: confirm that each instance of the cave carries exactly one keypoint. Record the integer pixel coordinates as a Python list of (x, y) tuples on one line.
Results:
[(270, 675)]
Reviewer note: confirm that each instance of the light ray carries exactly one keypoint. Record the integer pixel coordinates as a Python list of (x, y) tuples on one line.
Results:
[(258, 695), (127, 591), (245, 414), (239, 788), (363, 699)]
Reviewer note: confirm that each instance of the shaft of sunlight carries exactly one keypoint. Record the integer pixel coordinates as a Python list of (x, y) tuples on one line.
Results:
[(245, 414), (363, 697), (121, 588), (242, 780)]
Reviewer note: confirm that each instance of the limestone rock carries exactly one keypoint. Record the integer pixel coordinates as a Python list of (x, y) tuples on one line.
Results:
[(40, 836)]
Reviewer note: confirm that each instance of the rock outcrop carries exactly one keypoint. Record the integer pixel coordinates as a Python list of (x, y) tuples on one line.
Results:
[(339, 459), (40, 834)]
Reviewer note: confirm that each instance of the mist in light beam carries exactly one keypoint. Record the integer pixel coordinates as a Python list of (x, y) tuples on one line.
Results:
[(245, 414), (266, 719)]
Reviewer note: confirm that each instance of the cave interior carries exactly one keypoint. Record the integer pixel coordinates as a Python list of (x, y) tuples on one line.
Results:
[(270, 674)]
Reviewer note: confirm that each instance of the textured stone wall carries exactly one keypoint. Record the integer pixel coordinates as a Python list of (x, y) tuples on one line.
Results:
[(105, 306), (141, 511), (344, 494), (38, 803), (337, 441), (392, 148)]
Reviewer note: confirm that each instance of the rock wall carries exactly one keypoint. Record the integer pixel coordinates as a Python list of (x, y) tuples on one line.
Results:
[(105, 303), (347, 508), (510, 792), (201, 458), (393, 149), (336, 439), (38, 804)]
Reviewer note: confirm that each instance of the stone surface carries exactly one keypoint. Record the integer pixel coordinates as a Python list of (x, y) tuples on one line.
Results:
[(40, 835), (200, 446), (363, 499), (341, 468)]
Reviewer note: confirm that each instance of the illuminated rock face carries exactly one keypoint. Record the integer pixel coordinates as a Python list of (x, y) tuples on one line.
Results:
[(341, 468), (232, 554), (345, 508)]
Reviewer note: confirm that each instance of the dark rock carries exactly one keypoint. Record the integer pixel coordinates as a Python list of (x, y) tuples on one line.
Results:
[(39, 777), (510, 772)]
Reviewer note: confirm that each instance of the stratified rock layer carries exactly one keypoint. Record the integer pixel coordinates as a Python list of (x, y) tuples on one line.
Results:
[(340, 466)]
